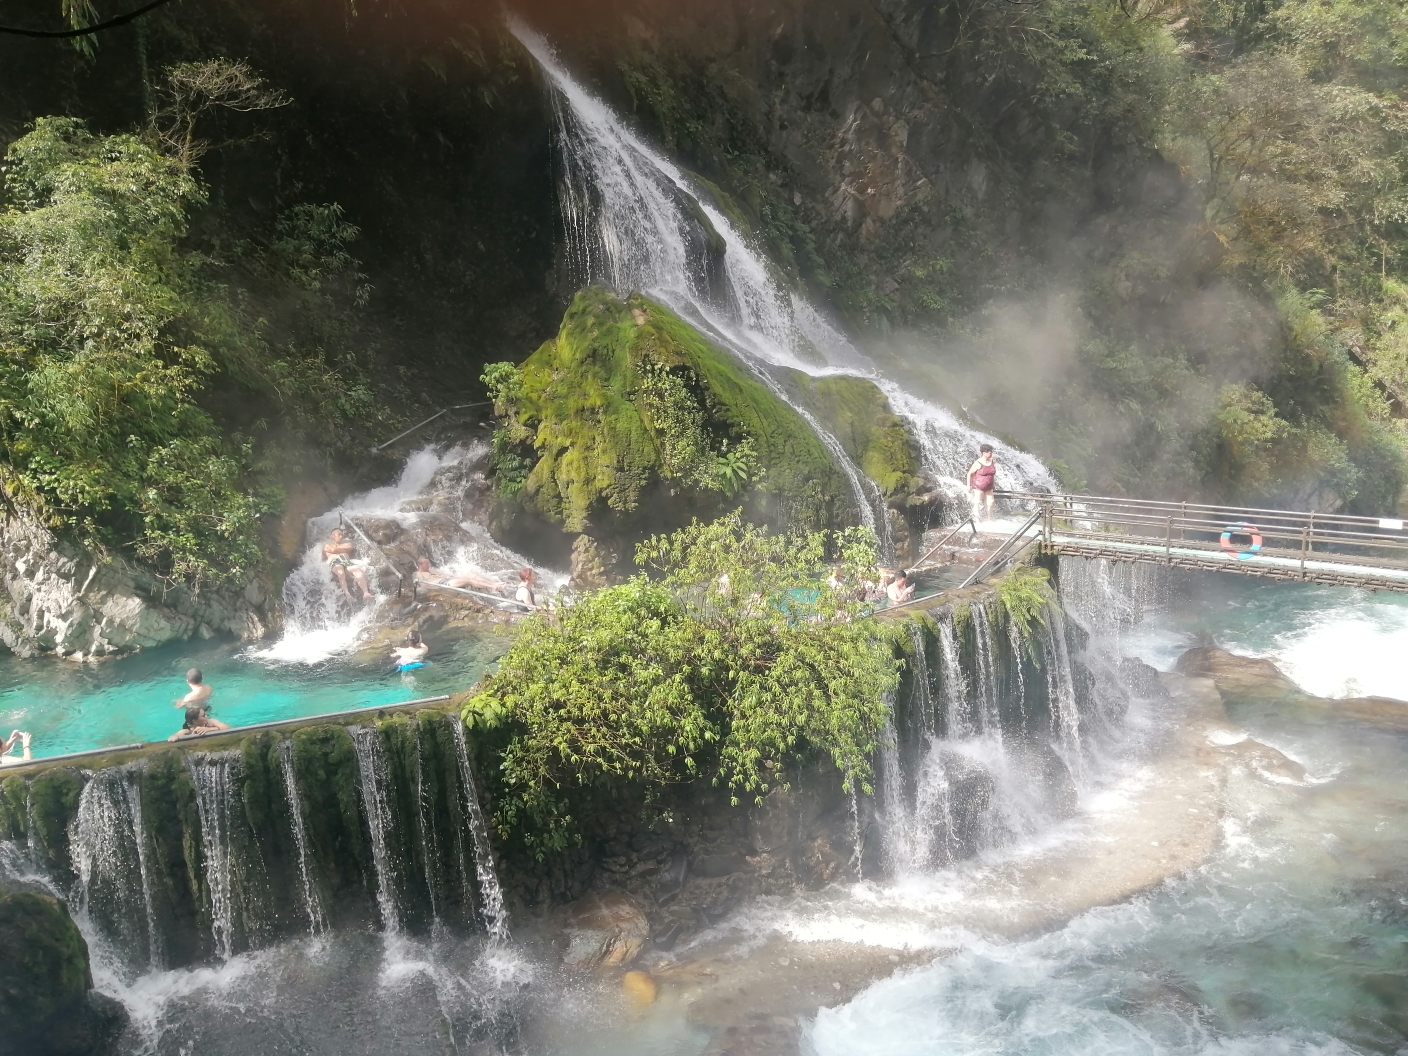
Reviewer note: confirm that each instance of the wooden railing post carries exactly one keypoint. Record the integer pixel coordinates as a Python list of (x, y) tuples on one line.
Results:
[(1310, 533), (1304, 548), (1168, 544)]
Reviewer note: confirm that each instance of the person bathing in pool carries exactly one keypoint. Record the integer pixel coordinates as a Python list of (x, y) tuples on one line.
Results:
[(197, 724), (341, 557), (440, 578), (200, 691), (411, 653)]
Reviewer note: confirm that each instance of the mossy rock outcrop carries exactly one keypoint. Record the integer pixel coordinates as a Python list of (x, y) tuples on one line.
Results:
[(46, 1001), (631, 421), (857, 413)]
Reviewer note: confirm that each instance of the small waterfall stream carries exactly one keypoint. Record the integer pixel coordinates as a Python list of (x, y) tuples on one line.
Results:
[(212, 775), (312, 901), (372, 780), (490, 893)]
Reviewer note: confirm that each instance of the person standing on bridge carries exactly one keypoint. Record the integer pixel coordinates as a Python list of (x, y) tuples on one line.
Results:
[(982, 476)]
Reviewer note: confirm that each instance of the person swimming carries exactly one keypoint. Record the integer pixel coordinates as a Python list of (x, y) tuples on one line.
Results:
[(411, 654), (524, 595), (440, 578), (900, 589)]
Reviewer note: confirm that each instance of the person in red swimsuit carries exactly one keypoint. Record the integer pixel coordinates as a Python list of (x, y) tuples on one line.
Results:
[(981, 475)]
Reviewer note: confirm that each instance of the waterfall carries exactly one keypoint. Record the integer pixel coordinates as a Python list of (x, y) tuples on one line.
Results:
[(312, 903), (1061, 692), (635, 221), (491, 895), (1015, 644), (948, 447), (429, 838), (212, 775), (987, 689), (922, 705), (373, 777), (957, 720), (318, 620), (108, 844)]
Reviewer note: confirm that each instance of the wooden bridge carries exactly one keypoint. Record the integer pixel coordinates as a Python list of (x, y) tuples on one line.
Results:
[(1332, 549)]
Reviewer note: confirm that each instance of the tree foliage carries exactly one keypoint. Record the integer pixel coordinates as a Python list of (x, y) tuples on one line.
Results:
[(734, 660), (134, 383)]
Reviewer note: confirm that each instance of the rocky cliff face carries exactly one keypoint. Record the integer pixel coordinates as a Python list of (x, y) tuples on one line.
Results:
[(59, 598)]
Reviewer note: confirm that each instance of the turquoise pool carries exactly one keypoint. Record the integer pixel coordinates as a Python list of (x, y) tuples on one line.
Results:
[(72, 707)]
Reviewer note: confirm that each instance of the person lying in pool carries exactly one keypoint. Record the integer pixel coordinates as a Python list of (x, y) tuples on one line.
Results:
[(440, 578), (7, 747), (411, 653), (200, 691), (197, 724)]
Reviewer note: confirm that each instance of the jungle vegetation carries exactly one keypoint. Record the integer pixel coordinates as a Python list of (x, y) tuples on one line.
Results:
[(150, 400)]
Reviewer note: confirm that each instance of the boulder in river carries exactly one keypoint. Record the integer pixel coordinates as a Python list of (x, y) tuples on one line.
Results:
[(606, 928), (47, 1003), (1246, 679)]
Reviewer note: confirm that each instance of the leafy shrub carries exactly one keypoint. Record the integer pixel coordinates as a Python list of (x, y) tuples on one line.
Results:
[(736, 661)]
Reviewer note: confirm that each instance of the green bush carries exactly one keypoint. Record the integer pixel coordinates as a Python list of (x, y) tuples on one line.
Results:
[(731, 664)]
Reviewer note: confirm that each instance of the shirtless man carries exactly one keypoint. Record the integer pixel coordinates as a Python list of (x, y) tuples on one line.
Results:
[(340, 555), (440, 578), (412, 651), (981, 475), (900, 589), (199, 693)]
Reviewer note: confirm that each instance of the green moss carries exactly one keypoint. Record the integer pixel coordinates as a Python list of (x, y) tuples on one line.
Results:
[(14, 794), (45, 967), (858, 414), (628, 395), (54, 801), (325, 762)]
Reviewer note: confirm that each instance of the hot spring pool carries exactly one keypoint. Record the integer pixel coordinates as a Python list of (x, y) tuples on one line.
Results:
[(72, 707)]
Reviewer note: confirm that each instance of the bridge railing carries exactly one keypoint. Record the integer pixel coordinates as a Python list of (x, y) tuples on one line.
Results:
[(1233, 532)]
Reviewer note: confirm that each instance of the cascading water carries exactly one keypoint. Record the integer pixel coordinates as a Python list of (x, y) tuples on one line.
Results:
[(958, 719), (633, 222), (213, 776), (429, 837), (426, 504), (491, 895), (372, 779), (987, 691), (109, 849), (312, 902)]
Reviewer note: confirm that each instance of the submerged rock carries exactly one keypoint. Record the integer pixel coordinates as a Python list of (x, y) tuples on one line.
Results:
[(606, 928), (47, 1003)]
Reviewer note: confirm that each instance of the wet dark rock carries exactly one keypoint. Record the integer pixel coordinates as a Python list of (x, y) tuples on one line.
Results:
[(605, 929), (1140, 679), (46, 999)]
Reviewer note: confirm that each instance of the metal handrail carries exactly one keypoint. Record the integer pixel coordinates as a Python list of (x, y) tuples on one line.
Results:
[(400, 579), (999, 555), (421, 425), (1235, 512), (933, 549)]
